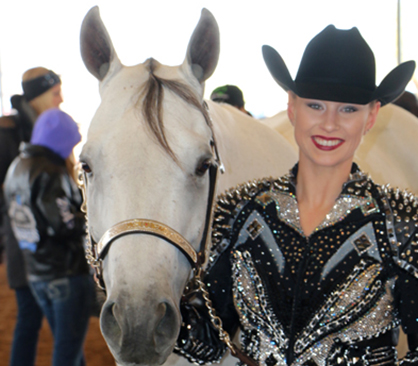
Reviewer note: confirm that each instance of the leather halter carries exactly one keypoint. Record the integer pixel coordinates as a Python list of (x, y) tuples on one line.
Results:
[(96, 251)]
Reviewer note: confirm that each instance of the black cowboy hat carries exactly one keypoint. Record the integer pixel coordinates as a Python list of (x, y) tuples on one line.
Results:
[(338, 65)]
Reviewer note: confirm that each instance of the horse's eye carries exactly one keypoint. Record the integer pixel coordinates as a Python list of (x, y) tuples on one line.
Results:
[(86, 167), (203, 167)]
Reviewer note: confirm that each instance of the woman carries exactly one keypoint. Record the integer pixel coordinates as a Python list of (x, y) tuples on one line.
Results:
[(41, 91), (318, 267), (44, 209)]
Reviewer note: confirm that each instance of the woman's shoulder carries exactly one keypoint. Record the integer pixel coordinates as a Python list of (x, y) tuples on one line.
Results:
[(401, 213), (402, 202), (244, 197), (236, 197)]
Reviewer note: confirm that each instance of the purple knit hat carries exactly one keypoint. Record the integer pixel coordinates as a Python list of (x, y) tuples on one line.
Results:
[(57, 131)]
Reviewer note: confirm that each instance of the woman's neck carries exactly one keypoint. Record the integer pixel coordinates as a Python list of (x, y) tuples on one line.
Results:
[(317, 188)]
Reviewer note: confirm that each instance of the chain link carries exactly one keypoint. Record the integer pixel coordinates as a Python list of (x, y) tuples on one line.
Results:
[(89, 246), (216, 320)]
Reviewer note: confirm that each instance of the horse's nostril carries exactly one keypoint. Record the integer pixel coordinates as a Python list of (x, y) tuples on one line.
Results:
[(168, 324), (109, 324)]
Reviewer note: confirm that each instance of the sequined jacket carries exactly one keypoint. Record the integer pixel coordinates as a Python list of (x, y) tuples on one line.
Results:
[(336, 297)]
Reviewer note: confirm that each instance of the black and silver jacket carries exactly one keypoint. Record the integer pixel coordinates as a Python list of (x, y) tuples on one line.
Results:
[(44, 209), (336, 297)]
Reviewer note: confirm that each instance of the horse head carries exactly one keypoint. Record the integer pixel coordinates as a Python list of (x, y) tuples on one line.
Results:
[(147, 155)]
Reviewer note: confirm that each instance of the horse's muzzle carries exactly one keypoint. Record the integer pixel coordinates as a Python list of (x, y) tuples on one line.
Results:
[(140, 339)]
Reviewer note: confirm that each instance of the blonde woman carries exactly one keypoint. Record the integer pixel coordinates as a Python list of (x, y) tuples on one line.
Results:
[(318, 267)]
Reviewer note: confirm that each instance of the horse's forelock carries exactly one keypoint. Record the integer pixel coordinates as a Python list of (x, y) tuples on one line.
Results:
[(153, 103)]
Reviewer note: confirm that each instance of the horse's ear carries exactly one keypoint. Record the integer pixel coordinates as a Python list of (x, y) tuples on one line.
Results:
[(203, 50), (96, 47)]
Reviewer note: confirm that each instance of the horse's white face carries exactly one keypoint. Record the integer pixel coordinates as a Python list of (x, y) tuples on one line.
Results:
[(131, 175)]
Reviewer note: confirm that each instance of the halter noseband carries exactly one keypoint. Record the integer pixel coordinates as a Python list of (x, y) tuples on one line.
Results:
[(96, 252)]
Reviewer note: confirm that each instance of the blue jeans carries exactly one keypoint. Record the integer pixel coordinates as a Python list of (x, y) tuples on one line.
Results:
[(66, 303), (28, 324)]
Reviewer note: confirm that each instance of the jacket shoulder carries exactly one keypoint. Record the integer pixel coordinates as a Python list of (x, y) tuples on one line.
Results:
[(401, 211), (230, 204)]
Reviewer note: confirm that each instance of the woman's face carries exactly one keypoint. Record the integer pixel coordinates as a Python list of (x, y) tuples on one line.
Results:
[(328, 133), (52, 98)]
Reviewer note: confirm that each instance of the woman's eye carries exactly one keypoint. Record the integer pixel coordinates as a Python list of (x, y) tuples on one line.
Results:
[(203, 167), (314, 106), (349, 109), (86, 167)]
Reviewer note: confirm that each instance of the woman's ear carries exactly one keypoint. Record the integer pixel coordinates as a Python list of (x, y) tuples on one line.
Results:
[(372, 116), (291, 106)]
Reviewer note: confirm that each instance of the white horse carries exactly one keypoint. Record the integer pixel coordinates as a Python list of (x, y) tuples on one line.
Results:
[(387, 152), (147, 155)]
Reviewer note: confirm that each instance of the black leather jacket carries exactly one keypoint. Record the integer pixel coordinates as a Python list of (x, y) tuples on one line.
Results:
[(336, 297), (13, 130), (9, 149), (44, 208)]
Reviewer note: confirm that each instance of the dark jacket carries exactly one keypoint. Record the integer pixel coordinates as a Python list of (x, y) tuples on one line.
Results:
[(44, 208), (13, 130)]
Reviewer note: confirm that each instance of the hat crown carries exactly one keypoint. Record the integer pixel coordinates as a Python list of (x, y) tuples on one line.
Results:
[(338, 56)]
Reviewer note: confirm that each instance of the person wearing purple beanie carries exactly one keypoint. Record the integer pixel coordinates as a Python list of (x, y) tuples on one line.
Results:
[(41, 91), (43, 204)]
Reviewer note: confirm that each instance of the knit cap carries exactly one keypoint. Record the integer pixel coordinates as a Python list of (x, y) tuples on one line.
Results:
[(57, 131)]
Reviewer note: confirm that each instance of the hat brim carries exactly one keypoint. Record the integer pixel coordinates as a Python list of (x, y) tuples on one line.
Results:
[(392, 86), (278, 68), (334, 93)]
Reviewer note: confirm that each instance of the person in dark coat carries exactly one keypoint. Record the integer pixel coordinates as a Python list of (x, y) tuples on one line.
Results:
[(41, 91), (44, 207)]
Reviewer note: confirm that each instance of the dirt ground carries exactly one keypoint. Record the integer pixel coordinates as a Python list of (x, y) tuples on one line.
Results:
[(96, 351)]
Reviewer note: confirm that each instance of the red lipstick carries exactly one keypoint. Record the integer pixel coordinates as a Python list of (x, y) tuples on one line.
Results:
[(327, 143)]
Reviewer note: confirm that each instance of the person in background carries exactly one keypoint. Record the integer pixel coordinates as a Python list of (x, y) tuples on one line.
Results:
[(318, 267), (44, 203), (41, 91), (230, 94)]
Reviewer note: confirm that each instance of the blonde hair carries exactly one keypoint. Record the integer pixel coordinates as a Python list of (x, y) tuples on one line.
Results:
[(71, 164), (34, 73)]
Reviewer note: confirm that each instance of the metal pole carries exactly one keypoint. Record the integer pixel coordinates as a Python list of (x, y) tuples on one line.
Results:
[(1, 91), (399, 38)]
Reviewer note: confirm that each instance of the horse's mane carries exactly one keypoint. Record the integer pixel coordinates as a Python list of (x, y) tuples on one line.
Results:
[(153, 104)]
